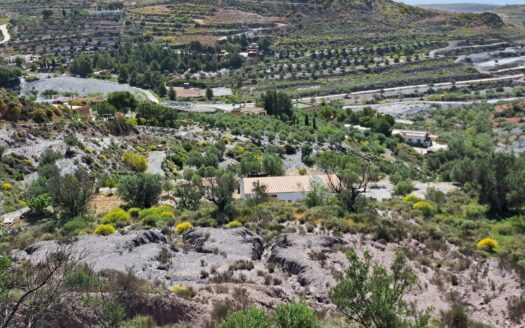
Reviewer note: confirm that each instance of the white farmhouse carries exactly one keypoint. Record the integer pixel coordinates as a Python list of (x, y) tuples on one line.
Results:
[(415, 138), (287, 188)]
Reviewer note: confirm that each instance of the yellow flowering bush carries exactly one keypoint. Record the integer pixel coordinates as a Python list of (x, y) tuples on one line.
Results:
[(425, 207), (116, 215), (411, 199), (6, 186), (105, 230), (167, 214), (488, 244), (233, 225), (182, 291), (135, 161), (183, 227)]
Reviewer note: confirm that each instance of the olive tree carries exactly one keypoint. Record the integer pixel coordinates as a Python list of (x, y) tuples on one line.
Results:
[(71, 192), (141, 190), (219, 190), (348, 177)]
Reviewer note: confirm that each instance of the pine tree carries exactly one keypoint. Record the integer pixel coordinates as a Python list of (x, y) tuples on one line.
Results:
[(162, 90), (124, 75), (306, 120), (209, 94), (314, 123)]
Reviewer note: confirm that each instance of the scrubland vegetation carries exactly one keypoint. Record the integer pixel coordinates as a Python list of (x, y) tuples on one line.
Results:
[(127, 212)]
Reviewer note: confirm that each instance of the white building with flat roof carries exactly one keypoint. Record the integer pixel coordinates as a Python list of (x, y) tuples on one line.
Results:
[(415, 138)]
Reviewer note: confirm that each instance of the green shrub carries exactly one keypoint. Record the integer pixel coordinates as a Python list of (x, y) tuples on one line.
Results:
[(475, 211), (155, 215), (136, 162), (404, 188), (105, 230), (115, 216), (249, 318), (75, 225), (140, 322), (81, 279), (233, 225), (134, 212), (295, 315), (424, 207), (38, 204)]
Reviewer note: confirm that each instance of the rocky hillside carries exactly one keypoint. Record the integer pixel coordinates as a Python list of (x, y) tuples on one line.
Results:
[(292, 264)]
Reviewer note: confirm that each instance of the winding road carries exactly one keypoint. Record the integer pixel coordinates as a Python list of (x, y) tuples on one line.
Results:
[(5, 33)]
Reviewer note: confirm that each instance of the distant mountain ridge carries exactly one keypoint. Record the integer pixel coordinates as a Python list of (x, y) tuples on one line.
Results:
[(461, 7)]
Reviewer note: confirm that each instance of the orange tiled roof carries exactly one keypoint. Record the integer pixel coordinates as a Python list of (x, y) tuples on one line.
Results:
[(286, 184)]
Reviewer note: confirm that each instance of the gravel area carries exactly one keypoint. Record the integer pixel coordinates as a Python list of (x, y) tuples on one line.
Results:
[(83, 87)]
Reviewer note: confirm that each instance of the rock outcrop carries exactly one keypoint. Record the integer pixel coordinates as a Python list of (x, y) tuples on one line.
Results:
[(305, 256), (152, 257)]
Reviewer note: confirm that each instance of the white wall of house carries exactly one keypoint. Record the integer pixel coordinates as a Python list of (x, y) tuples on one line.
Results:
[(286, 196), (289, 196)]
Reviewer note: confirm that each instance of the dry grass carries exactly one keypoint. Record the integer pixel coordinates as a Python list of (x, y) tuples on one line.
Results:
[(191, 92), (101, 204), (159, 10)]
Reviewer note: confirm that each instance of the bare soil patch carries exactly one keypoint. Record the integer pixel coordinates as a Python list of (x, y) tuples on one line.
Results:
[(101, 204)]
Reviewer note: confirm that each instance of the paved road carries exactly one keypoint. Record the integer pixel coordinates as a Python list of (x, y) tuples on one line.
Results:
[(411, 88), (453, 45), (5, 32), (403, 109)]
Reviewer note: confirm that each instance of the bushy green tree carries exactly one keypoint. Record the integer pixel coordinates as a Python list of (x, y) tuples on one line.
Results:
[(219, 190), (71, 192), (249, 164), (349, 177), (499, 179), (9, 77), (209, 93), (278, 104), (172, 94), (39, 203), (81, 66), (123, 76), (373, 298), (141, 190), (122, 100), (272, 165), (189, 194)]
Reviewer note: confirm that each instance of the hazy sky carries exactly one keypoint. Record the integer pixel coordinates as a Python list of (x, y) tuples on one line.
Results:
[(492, 2)]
